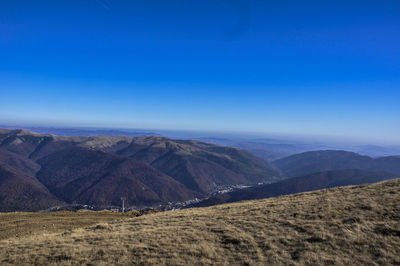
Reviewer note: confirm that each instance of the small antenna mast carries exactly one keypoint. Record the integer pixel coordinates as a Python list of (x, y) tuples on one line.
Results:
[(123, 203)]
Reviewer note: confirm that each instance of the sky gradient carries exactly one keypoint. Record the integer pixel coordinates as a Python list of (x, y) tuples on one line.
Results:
[(294, 67)]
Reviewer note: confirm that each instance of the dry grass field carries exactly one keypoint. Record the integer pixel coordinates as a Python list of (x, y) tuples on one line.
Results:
[(357, 225), (20, 224)]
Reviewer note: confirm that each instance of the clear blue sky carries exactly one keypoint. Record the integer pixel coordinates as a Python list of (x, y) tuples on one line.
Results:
[(297, 67)]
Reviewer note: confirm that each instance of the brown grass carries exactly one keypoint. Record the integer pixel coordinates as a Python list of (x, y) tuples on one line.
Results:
[(21, 224), (358, 225)]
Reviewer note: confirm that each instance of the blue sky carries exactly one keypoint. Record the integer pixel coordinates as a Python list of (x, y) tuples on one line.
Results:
[(294, 67)]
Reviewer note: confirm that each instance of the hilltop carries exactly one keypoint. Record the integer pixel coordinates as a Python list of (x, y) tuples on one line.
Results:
[(355, 225)]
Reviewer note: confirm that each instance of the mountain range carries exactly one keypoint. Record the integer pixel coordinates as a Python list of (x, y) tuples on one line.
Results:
[(270, 149), (38, 171)]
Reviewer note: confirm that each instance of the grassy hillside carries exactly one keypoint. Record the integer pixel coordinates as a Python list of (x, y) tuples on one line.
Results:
[(358, 225)]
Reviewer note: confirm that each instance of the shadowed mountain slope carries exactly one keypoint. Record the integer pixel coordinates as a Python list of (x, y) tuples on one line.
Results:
[(89, 176), (18, 162), (295, 185), (22, 191), (327, 160), (389, 163)]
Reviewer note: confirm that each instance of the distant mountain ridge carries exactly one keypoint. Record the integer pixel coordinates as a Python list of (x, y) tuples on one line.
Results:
[(327, 160), (274, 149), (98, 170), (269, 149)]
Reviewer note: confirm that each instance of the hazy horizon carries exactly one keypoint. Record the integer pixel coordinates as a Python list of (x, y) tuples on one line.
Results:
[(177, 133), (311, 69)]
